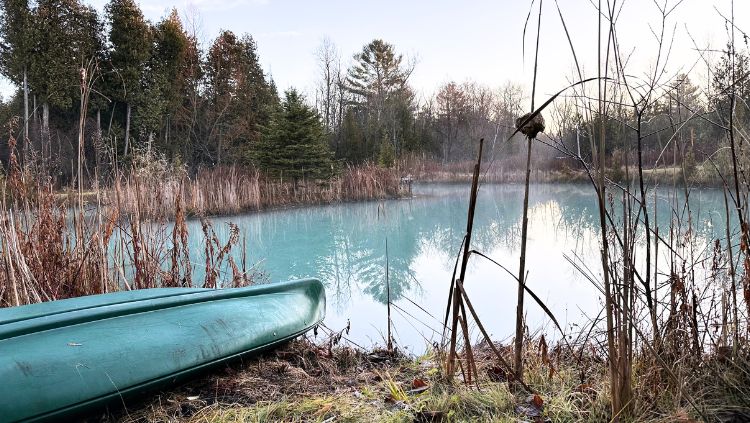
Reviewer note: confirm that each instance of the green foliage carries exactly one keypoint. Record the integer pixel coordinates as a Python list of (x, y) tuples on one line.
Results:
[(730, 76), (239, 98), (16, 31), (65, 36), (382, 102), (162, 79), (294, 143), (130, 38), (378, 73), (387, 156)]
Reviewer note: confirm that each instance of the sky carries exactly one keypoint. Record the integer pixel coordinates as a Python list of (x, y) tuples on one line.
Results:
[(479, 40)]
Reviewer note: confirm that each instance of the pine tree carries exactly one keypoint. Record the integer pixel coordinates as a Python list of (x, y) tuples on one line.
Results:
[(294, 143), (727, 80), (378, 83), (186, 122)]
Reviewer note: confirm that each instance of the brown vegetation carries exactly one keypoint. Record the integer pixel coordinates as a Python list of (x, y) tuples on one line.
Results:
[(230, 190), (54, 247)]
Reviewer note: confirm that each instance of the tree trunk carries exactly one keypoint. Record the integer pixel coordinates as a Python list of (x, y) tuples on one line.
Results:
[(166, 132), (127, 130), (45, 132), (98, 124), (218, 155)]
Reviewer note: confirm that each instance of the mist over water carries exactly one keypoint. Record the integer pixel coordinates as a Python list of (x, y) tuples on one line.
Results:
[(344, 245)]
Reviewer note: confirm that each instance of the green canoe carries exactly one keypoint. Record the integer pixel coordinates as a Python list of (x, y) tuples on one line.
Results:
[(67, 356)]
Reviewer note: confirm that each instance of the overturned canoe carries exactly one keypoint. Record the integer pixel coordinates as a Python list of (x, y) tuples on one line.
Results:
[(70, 355)]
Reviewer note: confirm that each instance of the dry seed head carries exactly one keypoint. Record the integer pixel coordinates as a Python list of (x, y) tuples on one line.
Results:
[(532, 127)]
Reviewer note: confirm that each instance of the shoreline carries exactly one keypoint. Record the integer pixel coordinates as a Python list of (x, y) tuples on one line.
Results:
[(327, 381)]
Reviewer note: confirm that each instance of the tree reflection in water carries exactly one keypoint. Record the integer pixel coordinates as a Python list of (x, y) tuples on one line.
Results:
[(344, 244)]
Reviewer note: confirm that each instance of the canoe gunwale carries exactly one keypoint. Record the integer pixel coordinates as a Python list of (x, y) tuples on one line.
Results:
[(94, 306), (122, 309)]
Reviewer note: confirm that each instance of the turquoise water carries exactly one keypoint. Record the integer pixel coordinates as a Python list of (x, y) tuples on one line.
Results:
[(344, 245)]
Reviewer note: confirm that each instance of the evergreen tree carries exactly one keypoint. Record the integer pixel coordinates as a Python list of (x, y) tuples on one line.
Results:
[(15, 31), (163, 80), (378, 84), (730, 76), (294, 143), (66, 35), (239, 97), (185, 132), (171, 51), (130, 37)]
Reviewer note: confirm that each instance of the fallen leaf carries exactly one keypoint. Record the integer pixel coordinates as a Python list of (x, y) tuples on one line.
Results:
[(528, 410), (324, 409), (418, 383), (537, 401)]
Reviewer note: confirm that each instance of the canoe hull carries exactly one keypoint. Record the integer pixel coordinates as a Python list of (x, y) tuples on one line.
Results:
[(68, 361)]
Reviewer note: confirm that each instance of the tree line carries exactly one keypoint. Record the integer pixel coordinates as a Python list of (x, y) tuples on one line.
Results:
[(155, 90)]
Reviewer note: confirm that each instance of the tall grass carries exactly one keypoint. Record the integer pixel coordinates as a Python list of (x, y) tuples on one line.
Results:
[(228, 190), (673, 329), (55, 245)]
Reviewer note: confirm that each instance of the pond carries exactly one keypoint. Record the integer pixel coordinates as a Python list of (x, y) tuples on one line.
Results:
[(344, 245)]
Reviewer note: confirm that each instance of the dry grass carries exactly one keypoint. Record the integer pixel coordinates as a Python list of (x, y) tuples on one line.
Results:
[(232, 190), (307, 382), (56, 245), (493, 172), (304, 382), (51, 251)]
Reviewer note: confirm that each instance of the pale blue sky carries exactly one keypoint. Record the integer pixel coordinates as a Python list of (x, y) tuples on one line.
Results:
[(452, 40)]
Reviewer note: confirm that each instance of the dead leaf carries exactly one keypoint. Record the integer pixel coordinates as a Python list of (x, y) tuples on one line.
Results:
[(418, 383), (543, 350), (537, 401), (324, 409), (528, 410)]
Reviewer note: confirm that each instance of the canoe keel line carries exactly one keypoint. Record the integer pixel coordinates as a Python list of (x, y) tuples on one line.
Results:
[(69, 356)]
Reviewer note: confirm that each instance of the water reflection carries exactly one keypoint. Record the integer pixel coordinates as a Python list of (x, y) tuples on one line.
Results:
[(344, 246)]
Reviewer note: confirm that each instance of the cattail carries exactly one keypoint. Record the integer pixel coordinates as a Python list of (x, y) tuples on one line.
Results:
[(530, 127)]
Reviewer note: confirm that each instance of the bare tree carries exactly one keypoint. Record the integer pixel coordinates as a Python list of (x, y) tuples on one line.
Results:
[(327, 91)]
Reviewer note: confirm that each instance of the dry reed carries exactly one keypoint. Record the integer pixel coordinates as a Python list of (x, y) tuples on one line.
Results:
[(230, 190)]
